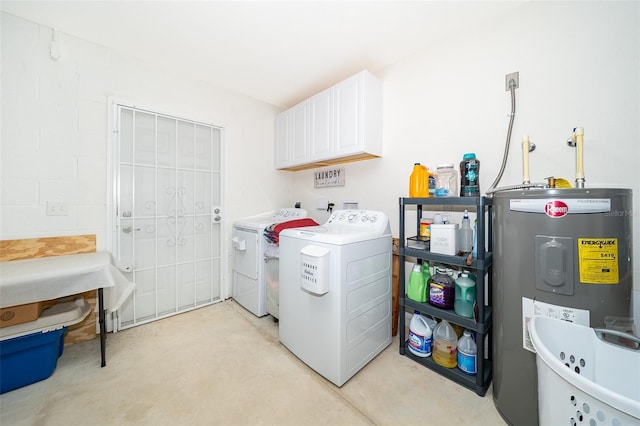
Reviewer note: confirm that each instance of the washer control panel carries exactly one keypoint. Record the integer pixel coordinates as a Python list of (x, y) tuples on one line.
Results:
[(358, 219)]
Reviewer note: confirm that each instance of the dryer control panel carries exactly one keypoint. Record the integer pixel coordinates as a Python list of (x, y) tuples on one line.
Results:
[(289, 213)]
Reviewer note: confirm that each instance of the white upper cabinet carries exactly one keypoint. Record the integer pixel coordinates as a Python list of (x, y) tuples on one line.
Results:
[(292, 136), (321, 139), (347, 116), (300, 132), (338, 125)]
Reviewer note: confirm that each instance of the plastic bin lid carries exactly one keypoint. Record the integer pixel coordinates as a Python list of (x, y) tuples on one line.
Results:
[(53, 318), (444, 226)]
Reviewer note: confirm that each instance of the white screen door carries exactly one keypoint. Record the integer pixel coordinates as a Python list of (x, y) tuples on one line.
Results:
[(167, 204)]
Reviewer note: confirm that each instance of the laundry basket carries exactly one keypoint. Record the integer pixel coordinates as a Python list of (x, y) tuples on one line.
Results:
[(582, 379)]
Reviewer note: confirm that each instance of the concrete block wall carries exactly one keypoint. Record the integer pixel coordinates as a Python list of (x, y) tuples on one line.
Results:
[(55, 135), (55, 131)]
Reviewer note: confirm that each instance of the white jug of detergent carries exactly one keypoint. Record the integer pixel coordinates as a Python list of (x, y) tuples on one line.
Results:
[(467, 353), (420, 336)]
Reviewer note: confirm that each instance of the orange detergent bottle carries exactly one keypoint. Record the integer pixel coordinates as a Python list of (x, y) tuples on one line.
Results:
[(419, 182)]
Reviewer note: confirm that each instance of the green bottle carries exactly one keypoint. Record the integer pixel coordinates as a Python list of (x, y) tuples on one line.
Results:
[(417, 288), (426, 273)]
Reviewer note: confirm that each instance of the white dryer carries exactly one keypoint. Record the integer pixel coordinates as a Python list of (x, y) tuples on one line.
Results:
[(335, 292), (249, 245)]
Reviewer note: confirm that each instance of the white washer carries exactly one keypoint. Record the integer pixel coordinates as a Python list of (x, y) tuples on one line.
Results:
[(249, 245), (335, 292)]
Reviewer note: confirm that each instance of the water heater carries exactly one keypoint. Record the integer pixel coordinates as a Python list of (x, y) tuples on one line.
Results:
[(557, 252)]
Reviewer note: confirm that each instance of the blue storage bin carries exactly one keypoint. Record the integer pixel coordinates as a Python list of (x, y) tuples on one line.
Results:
[(29, 359), (29, 351)]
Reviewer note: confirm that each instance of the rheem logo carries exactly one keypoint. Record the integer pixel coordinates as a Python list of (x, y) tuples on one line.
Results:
[(556, 208)]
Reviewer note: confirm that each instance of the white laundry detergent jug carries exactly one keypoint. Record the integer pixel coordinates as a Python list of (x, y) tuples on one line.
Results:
[(420, 336)]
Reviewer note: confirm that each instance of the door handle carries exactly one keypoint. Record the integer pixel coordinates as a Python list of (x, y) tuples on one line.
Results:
[(217, 214), (128, 229)]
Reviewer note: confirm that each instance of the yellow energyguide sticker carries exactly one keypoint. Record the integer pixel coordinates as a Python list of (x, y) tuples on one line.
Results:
[(598, 259)]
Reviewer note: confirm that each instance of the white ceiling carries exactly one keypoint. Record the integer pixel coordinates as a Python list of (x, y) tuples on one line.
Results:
[(279, 52)]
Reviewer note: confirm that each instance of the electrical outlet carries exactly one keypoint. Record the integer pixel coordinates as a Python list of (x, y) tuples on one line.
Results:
[(57, 209), (322, 203), (515, 76)]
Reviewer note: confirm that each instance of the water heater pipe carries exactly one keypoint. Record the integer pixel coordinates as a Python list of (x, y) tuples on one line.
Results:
[(525, 159), (527, 147), (579, 150)]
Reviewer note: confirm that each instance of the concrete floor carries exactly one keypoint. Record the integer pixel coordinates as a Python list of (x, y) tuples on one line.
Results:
[(220, 365)]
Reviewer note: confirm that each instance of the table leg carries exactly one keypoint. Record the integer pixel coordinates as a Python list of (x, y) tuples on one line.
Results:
[(103, 328)]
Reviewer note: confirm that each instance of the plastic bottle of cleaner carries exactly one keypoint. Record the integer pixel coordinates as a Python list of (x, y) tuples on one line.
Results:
[(466, 234), (419, 181), (467, 352), (451, 273), (445, 345), (441, 290), (417, 288), (420, 336), (426, 273), (432, 182), (474, 250), (470, 274), (414, 181), (430, 322), (469, 175), (465, 296)]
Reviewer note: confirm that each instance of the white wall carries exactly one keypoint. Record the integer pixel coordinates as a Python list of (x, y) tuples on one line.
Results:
[(579, 65), (55, 132)]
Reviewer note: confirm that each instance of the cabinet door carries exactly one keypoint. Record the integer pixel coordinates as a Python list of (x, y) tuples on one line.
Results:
[(282, 140), (347, 116), (321, 134), (299, 125)]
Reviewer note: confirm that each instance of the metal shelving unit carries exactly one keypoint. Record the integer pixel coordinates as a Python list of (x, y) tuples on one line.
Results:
[(480, 265)]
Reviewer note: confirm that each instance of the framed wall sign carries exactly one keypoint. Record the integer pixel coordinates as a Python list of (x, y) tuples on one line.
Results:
[(333, 176)]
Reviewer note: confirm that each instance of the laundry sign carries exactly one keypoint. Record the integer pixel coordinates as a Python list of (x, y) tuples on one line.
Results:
[(329, 177)]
